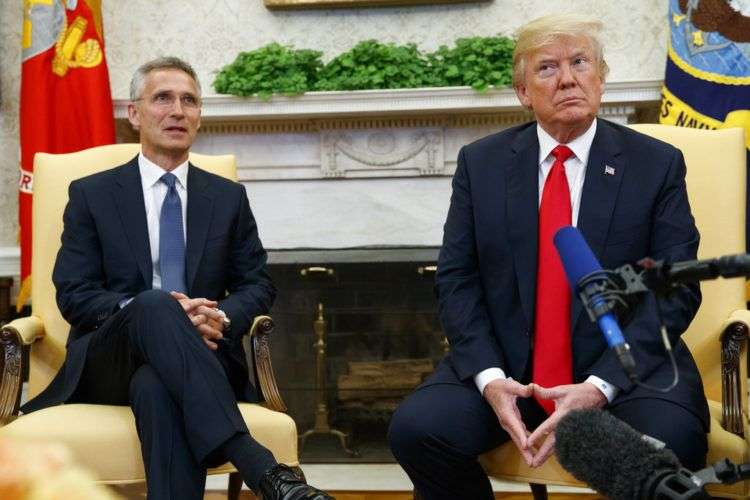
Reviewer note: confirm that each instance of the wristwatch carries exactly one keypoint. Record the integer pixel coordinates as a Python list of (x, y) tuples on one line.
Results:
[(225, 321)]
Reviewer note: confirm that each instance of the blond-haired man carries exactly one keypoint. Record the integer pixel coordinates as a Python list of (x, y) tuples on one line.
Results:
[(522, 352)]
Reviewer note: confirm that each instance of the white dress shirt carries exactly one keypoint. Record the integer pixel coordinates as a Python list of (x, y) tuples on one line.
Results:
[(575, 171)]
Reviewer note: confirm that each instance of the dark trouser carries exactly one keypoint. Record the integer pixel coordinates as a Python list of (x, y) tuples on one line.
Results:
[(150, 356), (437, 433)]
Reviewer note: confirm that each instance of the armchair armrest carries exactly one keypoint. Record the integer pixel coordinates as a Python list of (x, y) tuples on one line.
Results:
[(13, 336), (262, 369), (29, 328), (734, 335)]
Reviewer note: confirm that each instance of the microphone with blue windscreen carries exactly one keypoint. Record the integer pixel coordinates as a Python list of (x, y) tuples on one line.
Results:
[(586, 278)]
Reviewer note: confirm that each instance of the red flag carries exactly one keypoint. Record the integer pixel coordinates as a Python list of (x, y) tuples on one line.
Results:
[(66, 104)]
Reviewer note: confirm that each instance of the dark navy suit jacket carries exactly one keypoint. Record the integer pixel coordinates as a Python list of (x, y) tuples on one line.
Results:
[(486, 276), (105, 258)]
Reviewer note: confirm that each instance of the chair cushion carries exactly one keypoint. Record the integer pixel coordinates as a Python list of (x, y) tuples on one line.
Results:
[(89, 431), (506, 463)]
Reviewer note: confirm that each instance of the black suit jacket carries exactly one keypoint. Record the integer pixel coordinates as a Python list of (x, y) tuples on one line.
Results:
[(105, 258), (486, 278)]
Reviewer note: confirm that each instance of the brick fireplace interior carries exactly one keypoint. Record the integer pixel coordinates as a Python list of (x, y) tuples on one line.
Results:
[(382, 337)]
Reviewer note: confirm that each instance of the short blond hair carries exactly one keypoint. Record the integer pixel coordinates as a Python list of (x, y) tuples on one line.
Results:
[(545, 30)]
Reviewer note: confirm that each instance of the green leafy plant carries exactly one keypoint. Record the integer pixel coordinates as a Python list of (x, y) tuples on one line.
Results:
[(374, 65), (479, 62), (272, 69)]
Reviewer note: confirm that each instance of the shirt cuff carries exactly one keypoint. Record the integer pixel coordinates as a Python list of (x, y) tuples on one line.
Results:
[(609, 390), (486, 376), (125, 302)]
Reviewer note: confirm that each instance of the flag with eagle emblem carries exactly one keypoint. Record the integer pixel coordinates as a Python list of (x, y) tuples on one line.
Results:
[(707, 79)]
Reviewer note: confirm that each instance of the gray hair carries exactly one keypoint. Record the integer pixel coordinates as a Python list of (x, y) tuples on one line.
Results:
[(545, 30), (161, 63)]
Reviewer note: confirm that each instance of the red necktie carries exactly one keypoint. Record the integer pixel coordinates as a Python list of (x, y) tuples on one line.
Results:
[(553, 359)]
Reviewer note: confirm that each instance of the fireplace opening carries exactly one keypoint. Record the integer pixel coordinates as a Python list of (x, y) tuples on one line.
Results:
[(352, 340)]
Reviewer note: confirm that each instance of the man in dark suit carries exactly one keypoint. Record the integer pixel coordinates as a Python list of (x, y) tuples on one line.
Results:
[(160, 274), (523, 353)]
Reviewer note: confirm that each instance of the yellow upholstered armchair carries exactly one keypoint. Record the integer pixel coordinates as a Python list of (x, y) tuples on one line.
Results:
[(103, 438), (717, 337)]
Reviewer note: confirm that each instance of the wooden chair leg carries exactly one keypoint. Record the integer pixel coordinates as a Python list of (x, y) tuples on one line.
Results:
[(538, 491), (235, 485)]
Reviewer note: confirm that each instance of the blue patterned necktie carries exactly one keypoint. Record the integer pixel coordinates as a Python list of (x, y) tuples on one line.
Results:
[(171, 239)]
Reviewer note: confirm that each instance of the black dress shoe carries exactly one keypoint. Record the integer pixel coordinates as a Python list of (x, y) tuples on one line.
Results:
[(282, 483)]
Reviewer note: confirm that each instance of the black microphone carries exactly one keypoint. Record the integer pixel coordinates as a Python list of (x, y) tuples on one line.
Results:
[(661, 275), (619, 462)]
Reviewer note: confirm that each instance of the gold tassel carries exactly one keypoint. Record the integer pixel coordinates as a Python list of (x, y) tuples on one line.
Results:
[(23, 294)]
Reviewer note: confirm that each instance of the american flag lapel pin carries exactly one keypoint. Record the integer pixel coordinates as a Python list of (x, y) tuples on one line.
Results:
[(609, 170)]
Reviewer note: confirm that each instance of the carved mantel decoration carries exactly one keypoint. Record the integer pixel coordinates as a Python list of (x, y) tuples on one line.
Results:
[(374, 153)]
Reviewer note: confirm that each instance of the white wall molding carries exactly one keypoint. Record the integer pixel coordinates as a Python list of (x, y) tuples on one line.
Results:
[(10, 261), (10, 266)]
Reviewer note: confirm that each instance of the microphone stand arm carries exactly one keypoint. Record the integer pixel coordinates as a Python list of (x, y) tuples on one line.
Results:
[(722, 472), (681, 484)]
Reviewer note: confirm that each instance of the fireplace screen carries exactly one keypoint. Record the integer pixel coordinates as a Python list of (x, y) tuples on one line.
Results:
[(351, 341)]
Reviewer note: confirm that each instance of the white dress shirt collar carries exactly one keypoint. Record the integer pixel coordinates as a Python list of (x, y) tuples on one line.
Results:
[(581, 145), (151, 172)]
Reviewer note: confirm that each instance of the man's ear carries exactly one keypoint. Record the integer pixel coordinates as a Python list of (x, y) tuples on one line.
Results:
[(523, 96), (133, 117)]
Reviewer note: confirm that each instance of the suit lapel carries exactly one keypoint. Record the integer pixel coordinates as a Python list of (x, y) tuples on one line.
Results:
[(132, 209), (199, 214), (523, 207), (601, 186)]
